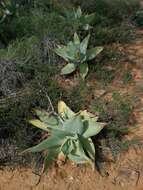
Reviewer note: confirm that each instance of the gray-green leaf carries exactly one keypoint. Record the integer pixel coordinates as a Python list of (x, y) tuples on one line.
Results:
[(93, 128), (84, 45), (78, 155), (88, 147), (83, 68), (50, 157), (92, 53), (50, 142), (69, 68), (62, 52), (46, 118), (74, 125), (76, 39)]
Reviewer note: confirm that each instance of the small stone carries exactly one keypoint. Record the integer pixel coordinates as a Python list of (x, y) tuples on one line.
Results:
[(71, 178), (99, 93), (122, 184), (33, 180)]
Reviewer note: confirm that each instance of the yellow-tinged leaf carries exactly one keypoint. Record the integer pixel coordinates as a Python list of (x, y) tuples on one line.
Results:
[(64, 111), (87, 115), (61, 107), (39, 124)]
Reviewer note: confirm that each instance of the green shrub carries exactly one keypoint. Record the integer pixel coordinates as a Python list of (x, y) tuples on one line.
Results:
[(138, 18), (108, 35), (117, 113), (16, 109)]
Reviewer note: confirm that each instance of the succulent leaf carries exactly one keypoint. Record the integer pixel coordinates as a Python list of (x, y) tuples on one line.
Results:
[(50, 157), (89, 18), (83, 70), (62, 52), (50, 142), (78, 155), (67, 147), (94, 128), (74, 125), (78, 12), (92, 53), (87, 115), (39, 124), (88, 147), (64, 111), (84, 45), (76, 39), (46, 118), (69, 68)]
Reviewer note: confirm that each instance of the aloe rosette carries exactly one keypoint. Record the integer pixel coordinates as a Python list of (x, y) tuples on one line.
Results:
[(79, 19), (69, 134), (77, 54), (7, 8)]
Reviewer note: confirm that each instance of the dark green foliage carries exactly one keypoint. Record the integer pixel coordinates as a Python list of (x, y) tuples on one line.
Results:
[(107, 35), (104, 69), (127, 77), (117, 112), (15, 111), (138, 18), (44, 18), (117, 10), (76, 95), (105, 75)]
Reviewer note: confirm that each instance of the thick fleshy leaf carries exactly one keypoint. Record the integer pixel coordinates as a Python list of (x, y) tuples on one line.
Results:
[(46, 118), (39, 124), (62, 134), (84, 45), (92, 53), (83, 68), (50, 142), (50, 157), (73, 51), (88, 147), (76, 39), (89, 18), (87, 115), (67, 147), (69, 68), (74, 125), (77, 159), (78, 13), (86, 27), (94, 128), (64, 111), (44, 126), (78, 155), (62, 52)]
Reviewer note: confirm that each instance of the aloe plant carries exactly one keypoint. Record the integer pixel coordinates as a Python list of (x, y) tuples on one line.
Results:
[(69, 135), (77, 55), (79, 19), (7, 8)]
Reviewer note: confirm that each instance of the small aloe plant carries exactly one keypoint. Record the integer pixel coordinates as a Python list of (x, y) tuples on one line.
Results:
[(7, 8), (77, 55), (69, 135), (79, 19)]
